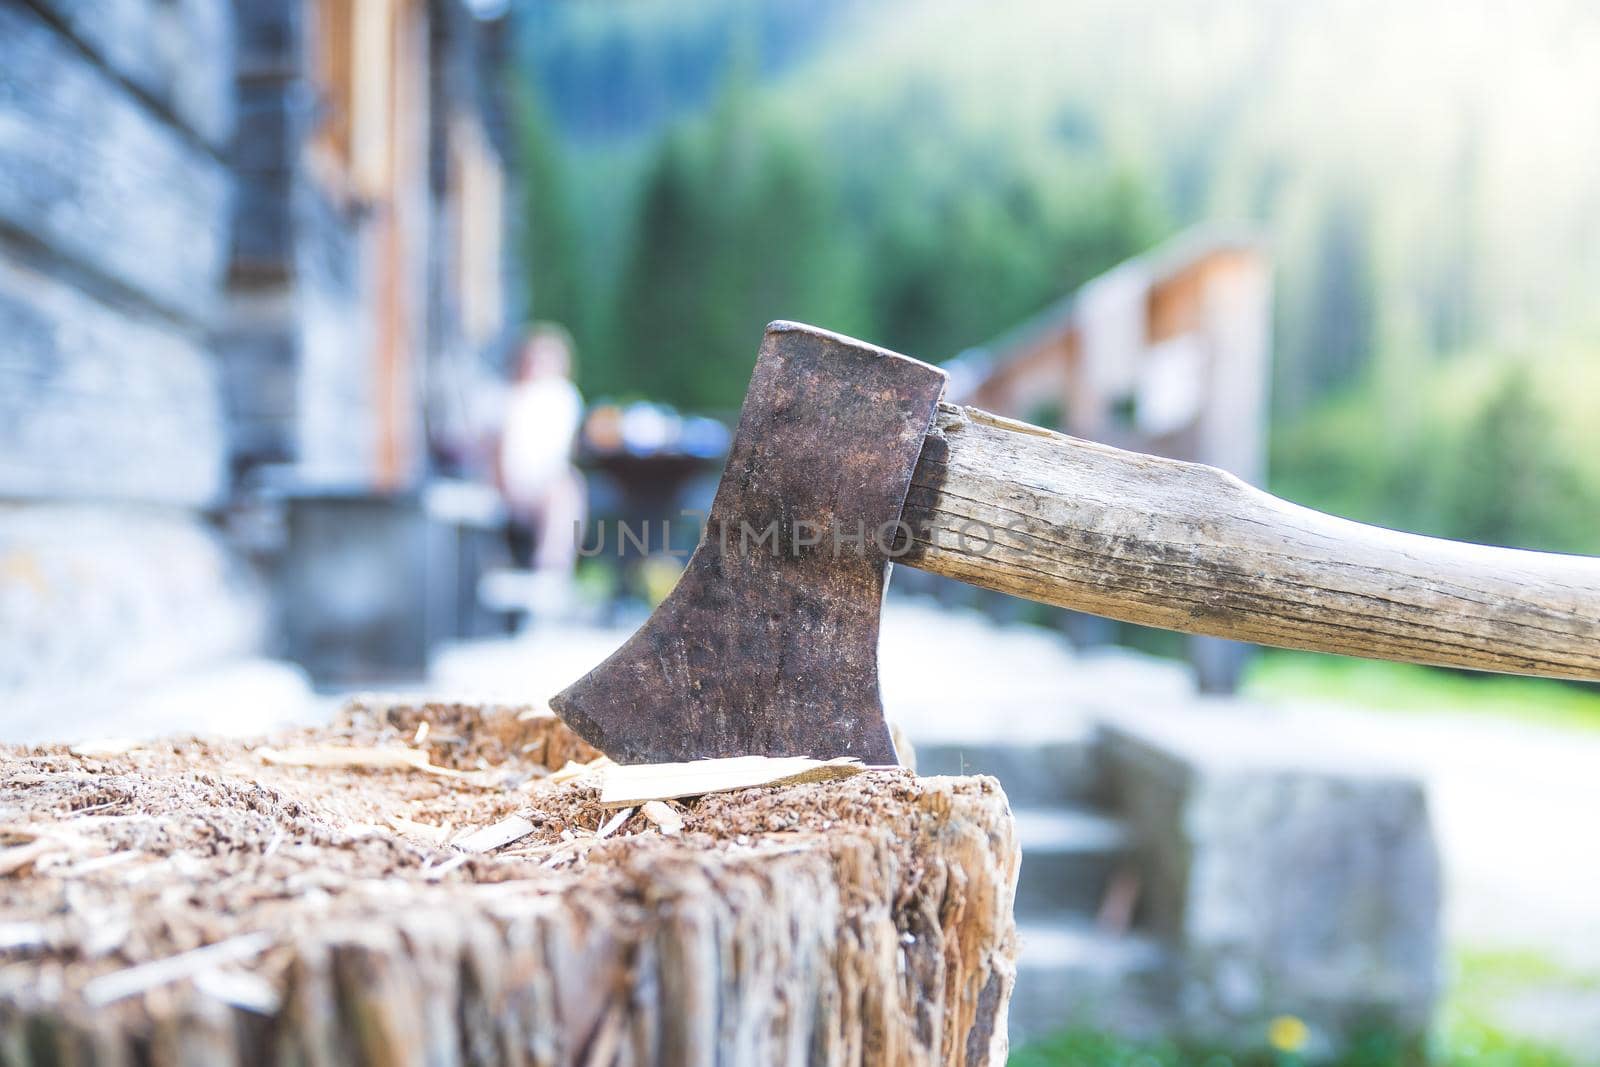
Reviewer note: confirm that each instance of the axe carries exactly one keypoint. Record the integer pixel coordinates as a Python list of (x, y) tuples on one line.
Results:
[(845, 460)]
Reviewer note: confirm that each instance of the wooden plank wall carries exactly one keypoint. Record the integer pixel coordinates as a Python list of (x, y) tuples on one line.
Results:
[(102, 400), (173, 53), (93, 173), (115, 117)]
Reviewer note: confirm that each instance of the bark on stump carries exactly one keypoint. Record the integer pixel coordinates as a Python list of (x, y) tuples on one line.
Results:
[(860, 921)]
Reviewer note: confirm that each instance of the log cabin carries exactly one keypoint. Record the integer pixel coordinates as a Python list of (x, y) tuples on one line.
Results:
[(241, 245)]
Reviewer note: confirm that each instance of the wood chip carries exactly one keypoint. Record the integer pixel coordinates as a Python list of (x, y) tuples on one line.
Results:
[(29, 845), (340, 756), (574, 770), (101, 863), (424, 830), (433, 874), (108, 933), (496, 835), (239, 989), (664, 815), (625, 786), (103, 747), (21, 857), (611, 824), (421, 734), (570, 851), (107, 988), (21, 935), (529, 851)]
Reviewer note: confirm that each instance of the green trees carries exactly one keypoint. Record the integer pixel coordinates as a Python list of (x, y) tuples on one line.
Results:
[(549, 235), (905, 232), (927, 178), (736, 225), (1513, 481), (1492, 458)]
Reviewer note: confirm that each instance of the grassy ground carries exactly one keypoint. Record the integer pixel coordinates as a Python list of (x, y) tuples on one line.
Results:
[(1476, 1047), (1277, 675), (1468, 1033), (1479, 1015)]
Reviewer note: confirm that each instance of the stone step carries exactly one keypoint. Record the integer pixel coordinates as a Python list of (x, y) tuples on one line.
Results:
[(1062, 770), (1071, 973), (1068, 858)]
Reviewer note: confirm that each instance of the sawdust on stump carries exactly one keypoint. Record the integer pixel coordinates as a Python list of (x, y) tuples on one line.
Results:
[(186, 901)]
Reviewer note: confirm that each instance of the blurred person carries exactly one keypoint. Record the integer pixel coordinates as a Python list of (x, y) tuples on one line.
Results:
[(544, 493)]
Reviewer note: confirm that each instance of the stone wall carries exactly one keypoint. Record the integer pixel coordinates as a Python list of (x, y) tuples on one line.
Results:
[(1286, 878), (114, 220)]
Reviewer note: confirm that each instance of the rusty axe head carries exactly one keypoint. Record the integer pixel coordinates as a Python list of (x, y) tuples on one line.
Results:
[(768, 645)]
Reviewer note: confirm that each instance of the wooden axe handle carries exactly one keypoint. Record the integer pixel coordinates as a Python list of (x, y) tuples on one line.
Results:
[(1192, 548)]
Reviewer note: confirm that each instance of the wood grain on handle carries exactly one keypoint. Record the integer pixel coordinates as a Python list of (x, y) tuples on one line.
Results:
[(1192, 548)]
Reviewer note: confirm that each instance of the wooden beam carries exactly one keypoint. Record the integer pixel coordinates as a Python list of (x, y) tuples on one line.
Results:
[(1188, 547)]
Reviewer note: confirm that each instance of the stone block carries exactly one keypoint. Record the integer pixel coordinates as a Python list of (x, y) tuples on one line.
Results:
[(1289, 876)]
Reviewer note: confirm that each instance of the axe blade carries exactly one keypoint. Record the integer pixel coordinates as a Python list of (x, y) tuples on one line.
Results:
[(768, 644)]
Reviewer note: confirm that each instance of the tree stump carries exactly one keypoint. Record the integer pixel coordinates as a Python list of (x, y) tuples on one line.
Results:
[(188, 902)]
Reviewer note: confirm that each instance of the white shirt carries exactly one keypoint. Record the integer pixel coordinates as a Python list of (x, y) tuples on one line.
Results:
[(541, 421)]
